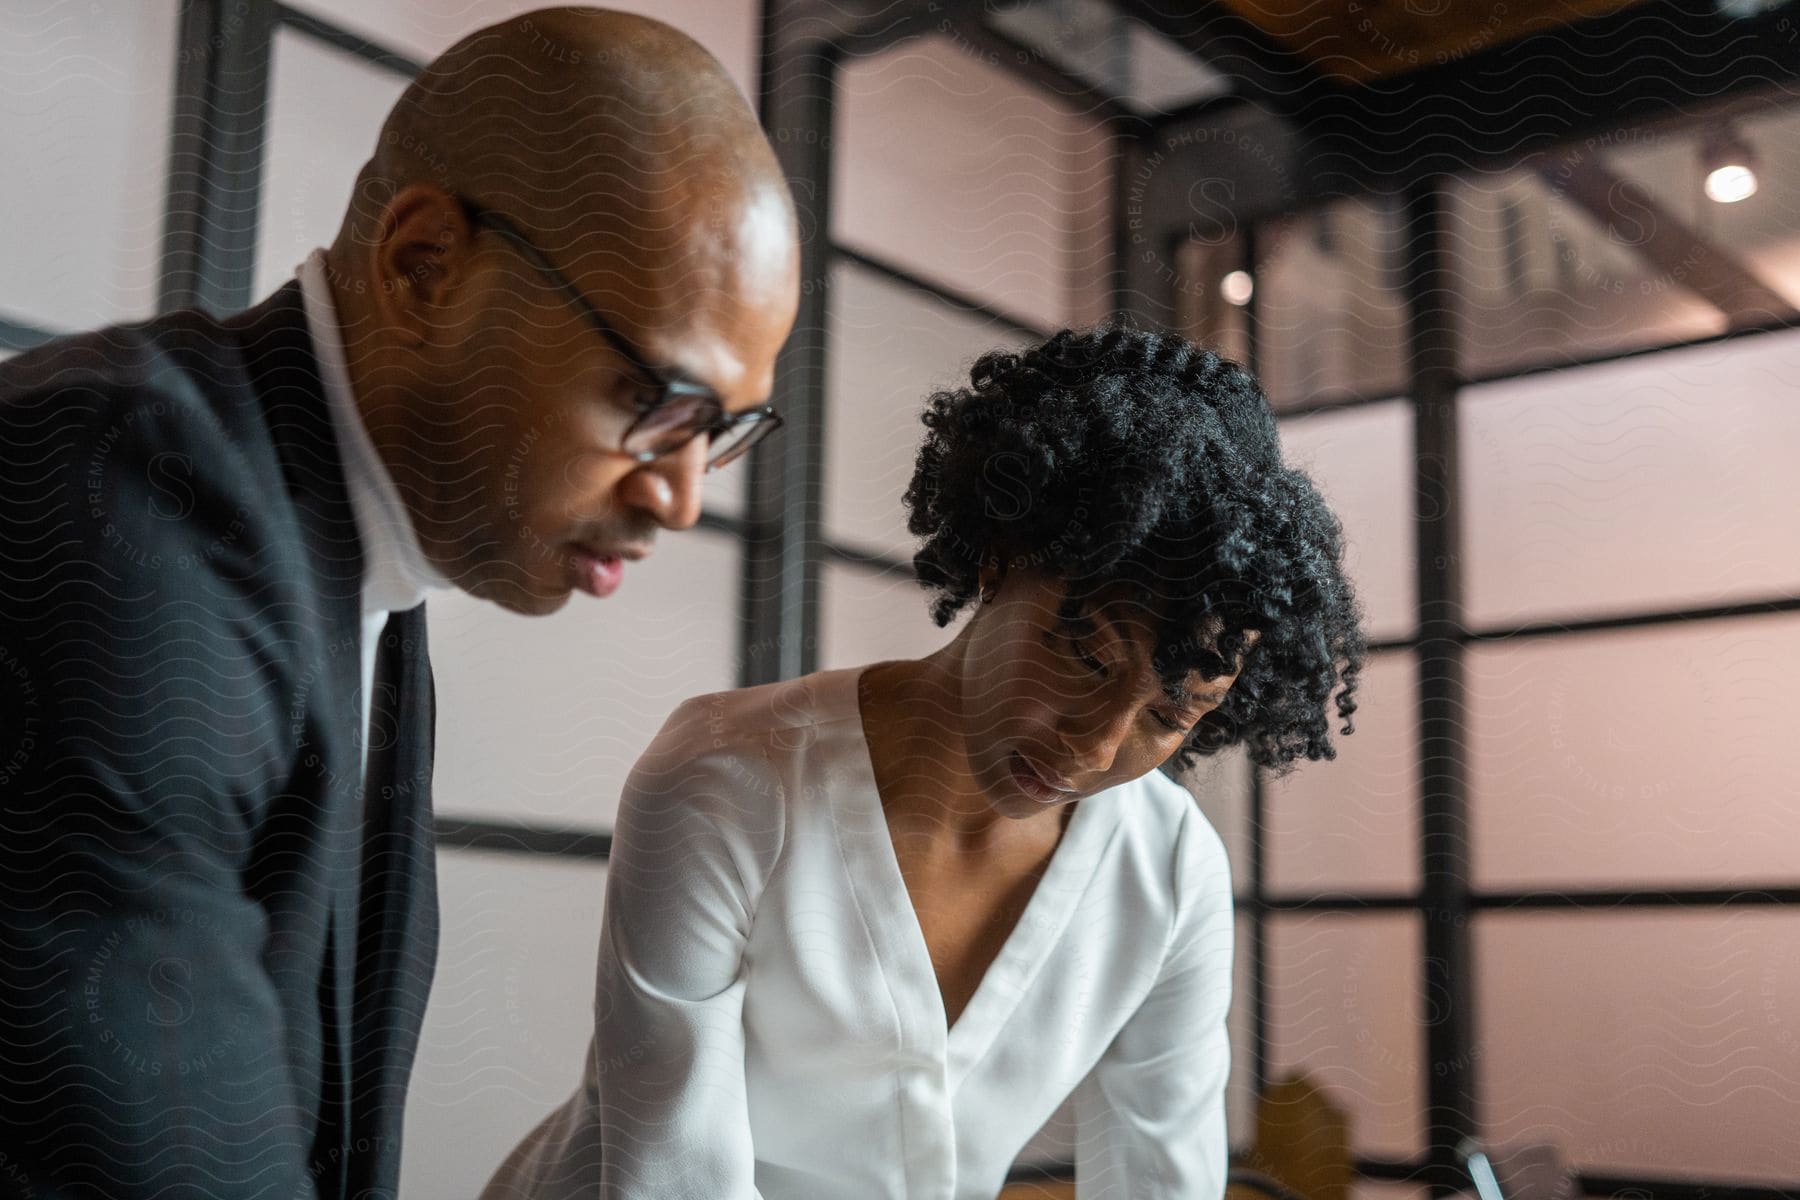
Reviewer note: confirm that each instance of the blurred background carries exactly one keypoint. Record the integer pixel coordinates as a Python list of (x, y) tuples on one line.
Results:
[(1520, 277)]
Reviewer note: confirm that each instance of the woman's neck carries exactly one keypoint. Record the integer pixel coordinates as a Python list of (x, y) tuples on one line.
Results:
[(912, 719)]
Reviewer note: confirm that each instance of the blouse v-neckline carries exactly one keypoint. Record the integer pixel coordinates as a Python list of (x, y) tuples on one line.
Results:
[(888, 911)]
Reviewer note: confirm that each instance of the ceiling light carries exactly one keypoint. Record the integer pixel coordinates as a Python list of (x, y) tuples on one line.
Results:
[(1730, 166), (1237, 287)]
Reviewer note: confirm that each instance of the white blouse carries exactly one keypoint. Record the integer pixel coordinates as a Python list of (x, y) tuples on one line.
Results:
[(768, 1023)]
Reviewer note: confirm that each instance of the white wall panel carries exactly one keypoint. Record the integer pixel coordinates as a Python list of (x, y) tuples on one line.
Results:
[(510, 1016), (541, 718), (86, 100)]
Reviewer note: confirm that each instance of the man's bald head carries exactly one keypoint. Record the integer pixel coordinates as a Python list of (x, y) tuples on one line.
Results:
[(632, 164), (586, 126)]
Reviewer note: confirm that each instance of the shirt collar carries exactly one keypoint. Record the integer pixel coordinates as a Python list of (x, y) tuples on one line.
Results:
[(396, 573)]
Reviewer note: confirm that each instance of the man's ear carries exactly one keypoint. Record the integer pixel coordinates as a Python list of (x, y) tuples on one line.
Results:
[(421, 249)]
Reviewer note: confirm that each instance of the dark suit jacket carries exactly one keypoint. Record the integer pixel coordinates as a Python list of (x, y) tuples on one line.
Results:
[(216, 947)]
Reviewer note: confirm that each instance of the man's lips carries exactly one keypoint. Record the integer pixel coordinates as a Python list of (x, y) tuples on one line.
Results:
[(598, 575), (600, 569)]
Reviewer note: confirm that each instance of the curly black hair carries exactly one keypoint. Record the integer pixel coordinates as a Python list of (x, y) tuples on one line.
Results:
[(1119, 459)]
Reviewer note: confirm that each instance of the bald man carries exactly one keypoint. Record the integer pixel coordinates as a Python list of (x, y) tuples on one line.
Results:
[(555, 301)]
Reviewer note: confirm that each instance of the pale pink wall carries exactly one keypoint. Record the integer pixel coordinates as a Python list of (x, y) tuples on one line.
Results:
[(1344, 1009), (869, 618), (1091, 174), (326, 110), (540, 720), (1637, 758), (1660, 757), (1332, 319), (1651, 1043), (1559, 287), (891, 346), (1352, 824), (1657, 482), (959, 172), (1361, 460), (512, 1006)]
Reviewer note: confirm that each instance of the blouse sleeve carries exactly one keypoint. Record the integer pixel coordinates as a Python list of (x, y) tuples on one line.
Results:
[(661, 1111), (1150, 1116)]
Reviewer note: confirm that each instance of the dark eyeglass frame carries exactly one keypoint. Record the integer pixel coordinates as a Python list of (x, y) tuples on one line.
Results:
[(713, 421)]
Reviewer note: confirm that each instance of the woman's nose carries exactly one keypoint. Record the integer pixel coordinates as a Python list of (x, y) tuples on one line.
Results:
[(1095, 729)]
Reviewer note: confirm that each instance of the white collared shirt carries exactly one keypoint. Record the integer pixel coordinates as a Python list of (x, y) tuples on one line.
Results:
[(396, 574), (768, 1020)]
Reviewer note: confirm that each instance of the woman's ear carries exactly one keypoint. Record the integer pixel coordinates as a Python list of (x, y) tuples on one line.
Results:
[(989, 578)]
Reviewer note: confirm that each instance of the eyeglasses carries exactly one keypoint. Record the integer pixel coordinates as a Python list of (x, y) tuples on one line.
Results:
[(677, 410)]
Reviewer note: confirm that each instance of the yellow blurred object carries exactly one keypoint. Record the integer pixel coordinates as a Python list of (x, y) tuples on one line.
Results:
[(1302, 1141), (1039, 1189)]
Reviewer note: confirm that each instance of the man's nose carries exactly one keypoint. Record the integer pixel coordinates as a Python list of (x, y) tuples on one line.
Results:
[(668, 489)]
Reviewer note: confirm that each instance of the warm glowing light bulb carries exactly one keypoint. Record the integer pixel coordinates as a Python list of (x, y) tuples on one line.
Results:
[(1237, 287), (1730, 165), (1730, 182)]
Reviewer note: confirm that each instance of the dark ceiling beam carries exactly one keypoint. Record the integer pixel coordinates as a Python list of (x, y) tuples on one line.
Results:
[(1030, 65), (1199, 112), (1634, 219), (846, 29), (1658, 63), (1259, 67), (1492, 109)]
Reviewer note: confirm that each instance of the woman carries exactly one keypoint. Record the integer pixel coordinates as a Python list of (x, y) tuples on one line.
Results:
[(866, 930)]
